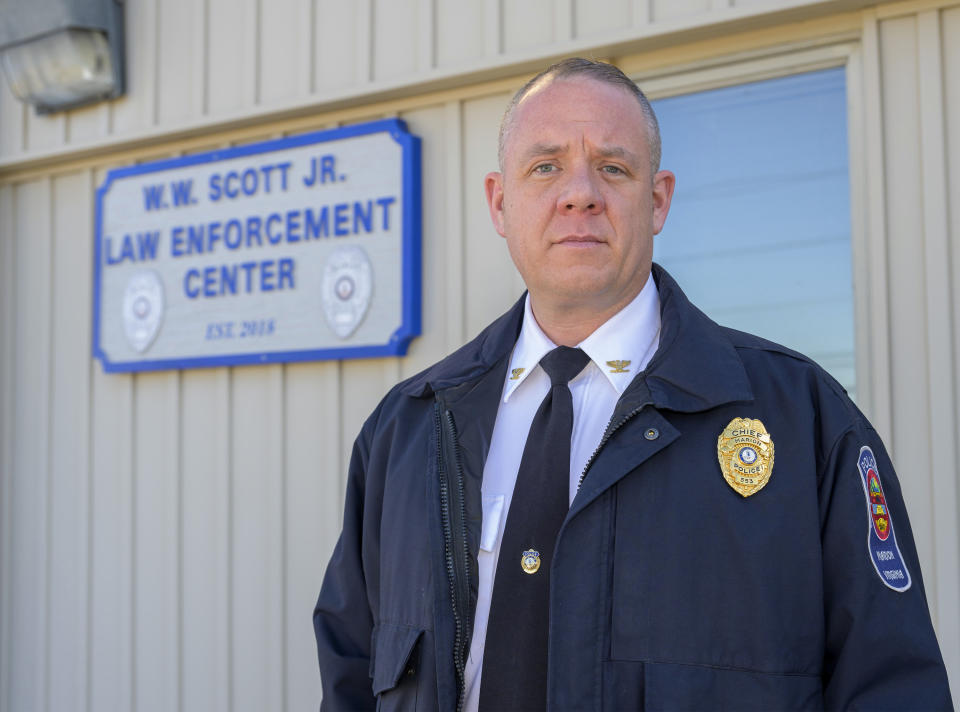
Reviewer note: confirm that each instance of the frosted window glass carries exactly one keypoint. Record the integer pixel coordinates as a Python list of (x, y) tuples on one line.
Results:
[(759, 232)]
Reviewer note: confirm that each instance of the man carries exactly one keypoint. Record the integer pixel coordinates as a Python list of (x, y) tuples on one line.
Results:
[(706, 548)]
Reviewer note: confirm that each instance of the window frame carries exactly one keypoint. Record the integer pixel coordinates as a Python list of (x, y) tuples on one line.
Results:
[(865, 160)]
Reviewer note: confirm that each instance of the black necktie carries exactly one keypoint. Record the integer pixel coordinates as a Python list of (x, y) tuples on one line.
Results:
[(514, 675)]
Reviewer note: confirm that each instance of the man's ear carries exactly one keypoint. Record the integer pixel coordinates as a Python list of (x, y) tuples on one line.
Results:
[(493, 184), (663, 185)]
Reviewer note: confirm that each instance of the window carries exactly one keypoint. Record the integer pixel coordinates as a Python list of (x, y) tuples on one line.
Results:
[(759, 232)]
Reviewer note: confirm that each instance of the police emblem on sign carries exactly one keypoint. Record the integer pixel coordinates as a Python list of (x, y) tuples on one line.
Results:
[(142, 309), (530, 561), (881, 539), (346, 289), (745, 451)]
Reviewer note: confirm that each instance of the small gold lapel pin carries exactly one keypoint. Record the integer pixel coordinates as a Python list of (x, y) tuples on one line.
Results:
[(618, 366), (515, 373), (530, 561)]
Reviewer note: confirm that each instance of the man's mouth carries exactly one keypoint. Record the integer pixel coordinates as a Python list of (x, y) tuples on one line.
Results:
[(579, 240)]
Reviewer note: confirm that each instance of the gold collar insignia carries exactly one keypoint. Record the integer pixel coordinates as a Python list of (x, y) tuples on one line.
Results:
[(618, 366)]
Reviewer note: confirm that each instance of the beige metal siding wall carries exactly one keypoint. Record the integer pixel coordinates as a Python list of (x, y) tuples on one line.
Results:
[(195, 64), (947, 563), (162, 535), (915, 105)]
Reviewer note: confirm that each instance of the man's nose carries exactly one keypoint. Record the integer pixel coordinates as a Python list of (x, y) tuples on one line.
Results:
[(581, 192)]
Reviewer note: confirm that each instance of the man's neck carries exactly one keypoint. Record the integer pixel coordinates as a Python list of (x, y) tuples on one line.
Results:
[(568, 324), (570, 329)]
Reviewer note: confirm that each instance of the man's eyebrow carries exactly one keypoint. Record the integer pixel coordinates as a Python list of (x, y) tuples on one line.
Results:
[(617, 152), (553, 149), (542, 149)]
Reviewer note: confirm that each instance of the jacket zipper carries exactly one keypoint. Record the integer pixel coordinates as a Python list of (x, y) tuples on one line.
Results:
[(456, 552), (611, 429)]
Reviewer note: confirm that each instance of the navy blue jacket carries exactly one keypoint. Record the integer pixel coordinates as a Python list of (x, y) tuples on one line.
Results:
[(669, 589)]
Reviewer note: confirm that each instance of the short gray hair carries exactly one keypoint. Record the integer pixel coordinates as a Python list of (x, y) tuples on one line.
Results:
[(573, 67)]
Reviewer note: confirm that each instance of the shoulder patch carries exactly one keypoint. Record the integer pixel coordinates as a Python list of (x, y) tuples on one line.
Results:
[(881, 539)]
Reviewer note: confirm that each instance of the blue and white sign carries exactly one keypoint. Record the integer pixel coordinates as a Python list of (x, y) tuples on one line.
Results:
[(303, 248)]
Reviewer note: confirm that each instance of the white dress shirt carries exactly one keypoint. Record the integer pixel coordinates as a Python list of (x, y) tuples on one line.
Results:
[(631, 336)]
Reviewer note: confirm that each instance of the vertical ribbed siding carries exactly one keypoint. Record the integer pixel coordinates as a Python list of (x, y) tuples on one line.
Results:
[(940, 288), (27, 588), (70, 475), (913, 283), (7, 416), (191, 60)]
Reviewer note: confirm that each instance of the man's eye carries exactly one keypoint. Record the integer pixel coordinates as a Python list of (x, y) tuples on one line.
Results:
[(544, 168), (612, 170)]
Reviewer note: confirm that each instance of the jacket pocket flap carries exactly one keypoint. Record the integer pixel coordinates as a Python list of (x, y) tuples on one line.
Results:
[(675, 686), (392, 646)]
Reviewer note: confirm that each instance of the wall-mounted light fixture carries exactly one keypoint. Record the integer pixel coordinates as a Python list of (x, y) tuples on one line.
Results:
[(59, 54)]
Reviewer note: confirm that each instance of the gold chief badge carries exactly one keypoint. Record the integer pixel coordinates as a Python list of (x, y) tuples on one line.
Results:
[(745, 451)]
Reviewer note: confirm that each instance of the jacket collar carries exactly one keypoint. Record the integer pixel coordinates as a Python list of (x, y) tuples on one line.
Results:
[(472, 360), (695, 368)]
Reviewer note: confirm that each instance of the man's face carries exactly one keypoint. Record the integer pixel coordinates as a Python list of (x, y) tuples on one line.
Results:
[(576, 201)]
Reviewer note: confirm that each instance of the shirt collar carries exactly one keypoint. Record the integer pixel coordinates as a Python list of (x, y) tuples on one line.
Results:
[(621, 347), (532, 345), (624, 344)]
